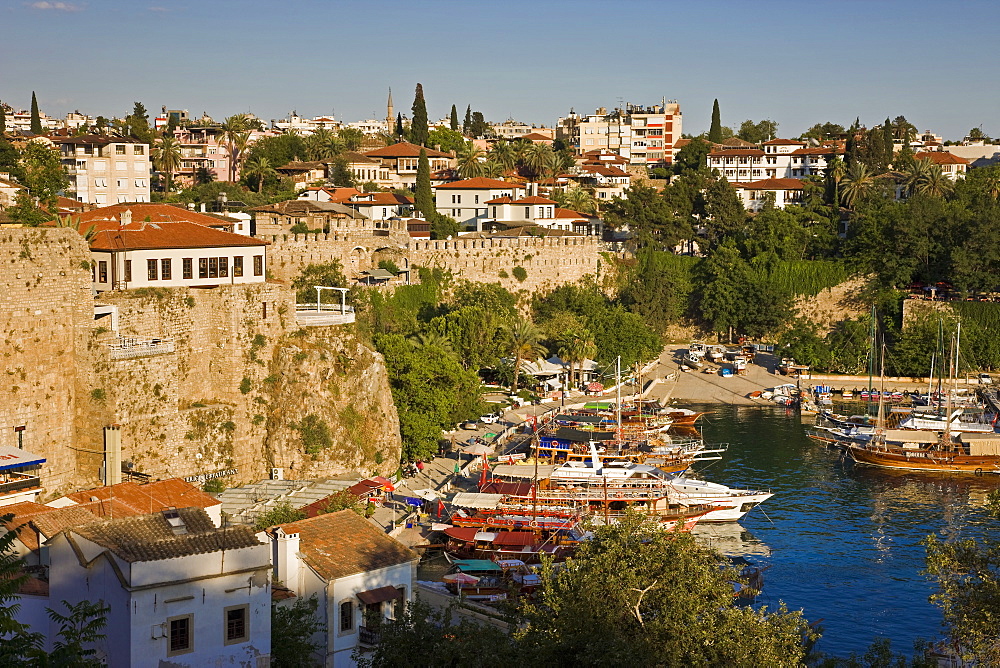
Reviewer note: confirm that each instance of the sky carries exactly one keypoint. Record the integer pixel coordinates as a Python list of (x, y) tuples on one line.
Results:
[(797, 63)]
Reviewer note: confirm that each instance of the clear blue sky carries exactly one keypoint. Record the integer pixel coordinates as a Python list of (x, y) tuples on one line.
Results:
[(794, 62)]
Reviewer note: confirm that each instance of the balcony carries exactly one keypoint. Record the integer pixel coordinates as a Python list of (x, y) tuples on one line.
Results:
[(307, 315), (12, 482), (128, 347), (368, 637)]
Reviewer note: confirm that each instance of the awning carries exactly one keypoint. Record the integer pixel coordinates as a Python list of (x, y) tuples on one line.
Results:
[(474, 500), (379, 595), (13, 458)]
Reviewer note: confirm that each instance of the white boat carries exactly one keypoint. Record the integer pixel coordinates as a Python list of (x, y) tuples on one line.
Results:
[(937, 422), (732, 504)]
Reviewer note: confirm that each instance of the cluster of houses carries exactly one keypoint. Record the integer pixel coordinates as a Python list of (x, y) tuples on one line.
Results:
[(186, 587)]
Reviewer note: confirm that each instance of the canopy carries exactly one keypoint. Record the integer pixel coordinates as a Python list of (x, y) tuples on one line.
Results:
[(478, 449), (14, 458), (460, 578), (474, 565), (380, 595), (473, 500)]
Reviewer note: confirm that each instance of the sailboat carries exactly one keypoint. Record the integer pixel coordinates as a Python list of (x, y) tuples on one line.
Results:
[(969, 452)]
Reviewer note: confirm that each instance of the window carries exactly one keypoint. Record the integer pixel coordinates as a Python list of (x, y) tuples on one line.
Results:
[(180, 636), (203, 267), (139, 149), (527, 212), (100, 165), (477, 199), (120, 165), (213, 267), (346, 616), (399, 606), (140, 183), (119, 149), (236, 624), (151, 269), (186, 269), (165, 268), (223, 267), (101, 198), (128, 270), (100, 183), (102, 271), (238, 266), (122, 183), (258, 265)]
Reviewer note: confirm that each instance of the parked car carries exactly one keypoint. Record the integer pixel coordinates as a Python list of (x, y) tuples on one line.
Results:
[(726, 372), (985, 379), (471, 426), (492, 418)]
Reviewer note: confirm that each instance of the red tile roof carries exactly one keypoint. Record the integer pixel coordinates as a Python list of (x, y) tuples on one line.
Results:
[(382, 199), (36, 520), (157, 213), (784, 142), (534, 200), (772, 184), (604, 170), (148, 498), (536, 136), (142, 235), (404, 150), (737, 153), (941, 158), (500, 200), (479, 183), (339, 544)]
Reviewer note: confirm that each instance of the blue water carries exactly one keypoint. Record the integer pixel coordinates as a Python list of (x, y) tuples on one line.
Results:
[(843, 541)]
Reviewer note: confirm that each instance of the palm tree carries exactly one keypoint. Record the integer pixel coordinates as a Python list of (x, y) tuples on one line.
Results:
[(991, 185), (538, 159), (856, 184), (167, 157), (502, 153), (580, 200), (935, 183), (493, 170), (470, 161), (576, 347), (258, 167), (836, 169), (323, 145), (524, 343), (236, 136), (430, 339)]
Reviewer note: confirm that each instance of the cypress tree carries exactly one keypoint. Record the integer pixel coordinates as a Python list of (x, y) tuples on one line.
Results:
[(399, 125), (715, 132), (418, 123), (887, 138), (3, 119), (36, 120), (454, 118), (467, 125), (423, 197)]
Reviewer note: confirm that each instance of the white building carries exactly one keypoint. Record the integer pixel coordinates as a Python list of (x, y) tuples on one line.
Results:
[(645, 136), (170, 254), (106, 170), (779, 159), (509, 214), (755, 194), (180, 591), (358, 574), (465, 200)]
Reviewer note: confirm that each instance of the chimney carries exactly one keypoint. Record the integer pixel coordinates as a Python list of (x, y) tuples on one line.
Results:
[(126, 217), (112, 455), (285, 549)]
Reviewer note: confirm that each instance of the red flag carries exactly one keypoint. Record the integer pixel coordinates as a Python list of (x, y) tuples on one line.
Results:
[(440, 508), (486, 469)]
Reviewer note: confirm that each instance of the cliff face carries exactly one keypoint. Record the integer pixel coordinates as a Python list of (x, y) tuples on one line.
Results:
[(243, 390)]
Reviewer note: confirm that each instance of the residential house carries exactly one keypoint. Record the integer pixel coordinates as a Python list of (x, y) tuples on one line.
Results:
[(305, 126), (400, 163), (303, 173), (380, 207), (777, 159), (953, 166), (169, 254), (756, 193), (606, 181), (131, 498), (643, 135), (105, 169), (506, 213), (359, 575), (281, 217), (202, 147), (465, 200), (511, 129), (329, 194), (365, 169), (8, 190), (180, 590)]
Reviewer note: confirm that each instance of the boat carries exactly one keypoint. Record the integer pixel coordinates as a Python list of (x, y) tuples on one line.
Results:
[(730, 504)]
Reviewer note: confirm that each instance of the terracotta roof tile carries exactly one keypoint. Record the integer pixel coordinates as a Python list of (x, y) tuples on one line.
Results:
[(157, 213), (534, 200), (737, 152), (784, 142), (382, 199), (152, 538), (941, 158), (479, 183), (149, 498), (34, 519), (404, 150), (143, 235), (772, 184), (339, 544), (499, 200)]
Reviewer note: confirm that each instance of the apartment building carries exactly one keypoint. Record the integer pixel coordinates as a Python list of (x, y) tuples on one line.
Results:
[(645, 136), (106, 169), (776, 159), (398, 164), (466, 200)]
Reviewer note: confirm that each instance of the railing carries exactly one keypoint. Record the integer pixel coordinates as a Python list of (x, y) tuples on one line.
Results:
[(368, 637), (20, 482), (307, 315), (127, 347)]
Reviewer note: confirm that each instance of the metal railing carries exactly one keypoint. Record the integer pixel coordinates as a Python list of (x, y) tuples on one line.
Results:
[(368, 637), (19, 483), (127, 347)]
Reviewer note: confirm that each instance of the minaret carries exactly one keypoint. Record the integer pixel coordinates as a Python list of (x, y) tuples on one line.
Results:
[(390, 118)]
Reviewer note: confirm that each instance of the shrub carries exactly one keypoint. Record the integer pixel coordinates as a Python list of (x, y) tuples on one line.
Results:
[(520, 273), (214, 486), (98, 395), (246, 385), (315, 434)]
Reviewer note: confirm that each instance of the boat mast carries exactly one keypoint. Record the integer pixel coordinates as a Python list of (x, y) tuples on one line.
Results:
[(618, 394), (871, 359)]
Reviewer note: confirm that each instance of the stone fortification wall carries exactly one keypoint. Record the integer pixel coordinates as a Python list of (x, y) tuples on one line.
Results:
[(243, 388), (547, 261), (46, 319)]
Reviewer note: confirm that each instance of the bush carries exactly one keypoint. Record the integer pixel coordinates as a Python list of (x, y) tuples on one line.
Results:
[(315, 434), (214, 486), (246, 385), (520, 273)]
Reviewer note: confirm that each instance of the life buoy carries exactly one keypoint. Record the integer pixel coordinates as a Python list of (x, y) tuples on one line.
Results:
[(979, 472)]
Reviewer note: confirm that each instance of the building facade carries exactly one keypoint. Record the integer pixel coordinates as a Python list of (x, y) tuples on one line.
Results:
[(106, 170), (645, 136)]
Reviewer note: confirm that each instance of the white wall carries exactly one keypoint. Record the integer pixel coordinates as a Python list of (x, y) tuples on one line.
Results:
[(140, 275)]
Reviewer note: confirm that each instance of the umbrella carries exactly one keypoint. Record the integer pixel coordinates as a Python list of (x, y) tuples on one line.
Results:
[(478, 449), (460, 578), (425, 494), (595, 387)]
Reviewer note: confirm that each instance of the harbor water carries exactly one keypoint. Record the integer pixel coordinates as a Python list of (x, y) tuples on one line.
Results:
[(843, 542)]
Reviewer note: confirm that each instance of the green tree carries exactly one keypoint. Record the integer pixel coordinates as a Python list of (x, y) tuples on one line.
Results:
[(8, 157), (293, 631), (724, 281), (447, 140), (166, 156), (329, 274), (236, 138), (352, 138), (137, 124), (79, 629), (3, 120), (40, 170), (341, 174), (639, 594), (715, 131), (524, 344), (470, 161), (400, 131), (856, 184), (823, 131), (278, 150), (467, 123), (727, 217), (454, 119), (423, 195), (257, 169), (36, 121), (759, 132), (18, 641), (418, 122), (25, 212), (649, 216), (887, 137), (479, 127), (281, 513), (692, 156)]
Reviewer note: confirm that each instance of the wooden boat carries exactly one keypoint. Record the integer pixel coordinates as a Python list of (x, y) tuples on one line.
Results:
[(970, 453), (526, 546)]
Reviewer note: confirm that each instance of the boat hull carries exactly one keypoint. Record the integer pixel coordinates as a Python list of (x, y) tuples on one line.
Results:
[(923, 460)]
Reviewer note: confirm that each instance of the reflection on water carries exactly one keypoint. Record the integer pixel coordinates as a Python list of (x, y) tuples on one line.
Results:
[(843, 542), (731, 539)]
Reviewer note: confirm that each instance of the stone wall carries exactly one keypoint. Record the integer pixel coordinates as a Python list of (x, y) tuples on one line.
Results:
[(46, 320), (547, 261), (244, 388)]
